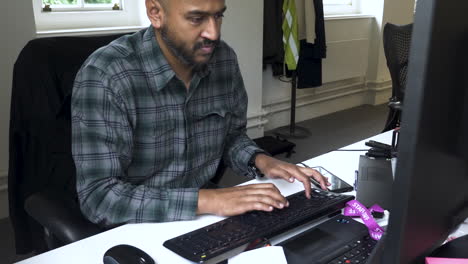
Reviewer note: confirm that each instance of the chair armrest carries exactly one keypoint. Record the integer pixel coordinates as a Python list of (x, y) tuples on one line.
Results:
[(67, 224)]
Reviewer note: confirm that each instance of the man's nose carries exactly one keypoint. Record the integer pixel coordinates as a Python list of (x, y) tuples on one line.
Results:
[(211, 29)]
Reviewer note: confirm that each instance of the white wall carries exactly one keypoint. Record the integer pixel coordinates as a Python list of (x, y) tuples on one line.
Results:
[(243, 30), (16, 28)]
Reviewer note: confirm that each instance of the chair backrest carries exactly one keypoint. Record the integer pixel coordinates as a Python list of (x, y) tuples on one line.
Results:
[(40, 124), (397, 41)]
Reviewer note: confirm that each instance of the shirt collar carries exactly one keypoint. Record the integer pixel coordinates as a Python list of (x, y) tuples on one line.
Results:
[(156, 65)]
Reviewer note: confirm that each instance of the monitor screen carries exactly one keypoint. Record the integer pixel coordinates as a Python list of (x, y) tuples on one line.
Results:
[(430, 192)]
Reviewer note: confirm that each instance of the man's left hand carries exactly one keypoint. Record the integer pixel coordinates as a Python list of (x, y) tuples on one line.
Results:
[(274, 169)]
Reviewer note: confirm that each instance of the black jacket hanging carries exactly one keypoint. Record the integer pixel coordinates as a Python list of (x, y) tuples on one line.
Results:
[(273, 47), (309, 69)]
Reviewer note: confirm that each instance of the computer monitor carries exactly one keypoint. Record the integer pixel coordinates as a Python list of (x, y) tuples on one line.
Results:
[(430, 191)]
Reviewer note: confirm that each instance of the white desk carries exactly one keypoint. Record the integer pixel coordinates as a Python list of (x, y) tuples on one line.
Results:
[(150, 237)]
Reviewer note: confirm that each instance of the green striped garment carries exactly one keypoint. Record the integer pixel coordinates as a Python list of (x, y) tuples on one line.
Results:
[(290, 35)]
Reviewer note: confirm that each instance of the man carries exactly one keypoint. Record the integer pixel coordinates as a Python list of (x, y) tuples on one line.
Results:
[(153, 114)]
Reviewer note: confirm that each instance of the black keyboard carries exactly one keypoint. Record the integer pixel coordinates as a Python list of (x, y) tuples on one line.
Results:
[(339, 240), (218, 241), (357, 251)]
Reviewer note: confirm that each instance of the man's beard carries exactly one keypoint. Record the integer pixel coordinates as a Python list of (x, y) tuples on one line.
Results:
[(184, 54)]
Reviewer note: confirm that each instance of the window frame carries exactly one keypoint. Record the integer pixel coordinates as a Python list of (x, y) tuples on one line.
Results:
[(347, 7), (82, 7), (71, 18)]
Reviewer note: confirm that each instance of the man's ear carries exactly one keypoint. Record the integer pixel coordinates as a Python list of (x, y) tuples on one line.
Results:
[(154, 12)]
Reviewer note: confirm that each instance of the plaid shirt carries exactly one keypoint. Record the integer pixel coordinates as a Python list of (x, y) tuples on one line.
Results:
[(143, 144)]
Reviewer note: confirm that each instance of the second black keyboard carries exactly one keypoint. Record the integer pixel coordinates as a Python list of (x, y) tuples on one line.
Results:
[(356, 252), (213, 241)]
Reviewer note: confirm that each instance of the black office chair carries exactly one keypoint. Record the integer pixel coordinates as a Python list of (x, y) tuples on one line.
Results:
[(396, 41), (42, 198)]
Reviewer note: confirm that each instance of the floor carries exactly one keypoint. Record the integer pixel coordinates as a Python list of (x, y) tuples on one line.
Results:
[(327, 133)]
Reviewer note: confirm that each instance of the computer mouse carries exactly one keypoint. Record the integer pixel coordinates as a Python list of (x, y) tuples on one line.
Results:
[(126, 254)]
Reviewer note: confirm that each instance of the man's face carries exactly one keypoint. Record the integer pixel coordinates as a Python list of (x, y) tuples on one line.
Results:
[(191, 29)]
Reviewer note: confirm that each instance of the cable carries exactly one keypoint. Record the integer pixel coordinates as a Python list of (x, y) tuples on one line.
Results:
[(391, 120), (350, 150)]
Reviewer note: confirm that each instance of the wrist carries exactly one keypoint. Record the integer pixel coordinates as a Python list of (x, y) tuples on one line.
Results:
[(261, 161), (204, 204), (252, 168)]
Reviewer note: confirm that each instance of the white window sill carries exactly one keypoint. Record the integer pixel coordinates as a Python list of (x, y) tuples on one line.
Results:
[(347, 16), (87, 31)]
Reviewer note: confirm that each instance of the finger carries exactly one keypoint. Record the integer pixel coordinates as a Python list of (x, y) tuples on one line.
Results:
[(304, 178), (272, 192), (268, 189), (267, 200), (244, 207), (254, 202), (322, 180), (277, 172), (259, 186), (292, 172), (281, 173), (257, 206)]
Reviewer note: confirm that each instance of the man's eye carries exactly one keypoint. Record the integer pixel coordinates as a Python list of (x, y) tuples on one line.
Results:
[(219, 16), (196, 20)]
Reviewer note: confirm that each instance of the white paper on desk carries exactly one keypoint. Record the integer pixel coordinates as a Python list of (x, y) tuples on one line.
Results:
[(270, 255)]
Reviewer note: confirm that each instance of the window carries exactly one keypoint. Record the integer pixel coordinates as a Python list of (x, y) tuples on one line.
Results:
[(53, 15), (80, 5), (341, 7), (337, 2)]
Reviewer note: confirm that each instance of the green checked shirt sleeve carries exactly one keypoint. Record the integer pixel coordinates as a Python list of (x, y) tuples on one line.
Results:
[(142, 144), (239, 147)]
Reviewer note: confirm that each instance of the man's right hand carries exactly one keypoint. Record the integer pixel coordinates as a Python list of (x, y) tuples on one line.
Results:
[(240, 199)]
